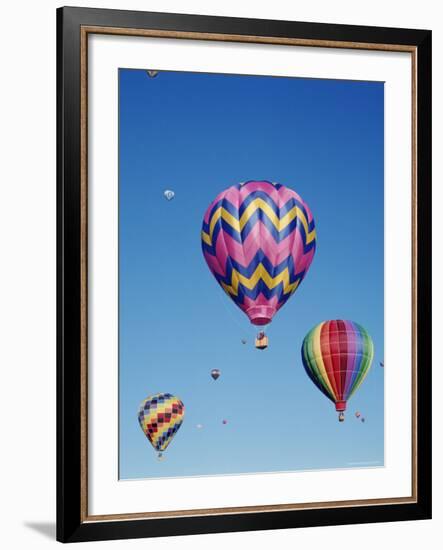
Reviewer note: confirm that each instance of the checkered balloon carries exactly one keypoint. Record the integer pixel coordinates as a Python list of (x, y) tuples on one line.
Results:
[(160, 416)]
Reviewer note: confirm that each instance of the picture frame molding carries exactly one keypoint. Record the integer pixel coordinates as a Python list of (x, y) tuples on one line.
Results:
[(73, 27)]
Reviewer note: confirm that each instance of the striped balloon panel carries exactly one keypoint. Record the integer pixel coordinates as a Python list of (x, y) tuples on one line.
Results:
[(258, 239), (337, 356), (160, 416)]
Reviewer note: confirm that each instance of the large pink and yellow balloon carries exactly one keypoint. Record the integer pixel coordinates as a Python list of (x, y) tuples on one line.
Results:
[(258, 239)]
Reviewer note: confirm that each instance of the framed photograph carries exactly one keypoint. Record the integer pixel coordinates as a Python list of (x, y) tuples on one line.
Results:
[(244, 274)]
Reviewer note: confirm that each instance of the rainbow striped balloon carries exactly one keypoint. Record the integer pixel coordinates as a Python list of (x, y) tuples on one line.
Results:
[(258, 239), (337, 356), (160, 416)]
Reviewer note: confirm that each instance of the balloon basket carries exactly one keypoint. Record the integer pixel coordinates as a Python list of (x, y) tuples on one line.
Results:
[(261, 342)]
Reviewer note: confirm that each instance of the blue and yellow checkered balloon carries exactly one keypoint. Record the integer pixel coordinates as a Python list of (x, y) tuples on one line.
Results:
[(160, 416)]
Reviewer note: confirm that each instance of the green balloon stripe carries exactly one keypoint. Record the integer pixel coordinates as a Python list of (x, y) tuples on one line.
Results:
[(366, 361), (311, 361)]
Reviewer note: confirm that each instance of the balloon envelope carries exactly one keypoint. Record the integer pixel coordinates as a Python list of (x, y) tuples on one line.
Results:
[(215, 373), (337, 356), (258, 239), (169, 194), (160, 417)]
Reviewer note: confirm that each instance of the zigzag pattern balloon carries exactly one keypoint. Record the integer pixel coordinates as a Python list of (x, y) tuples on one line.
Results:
[(258, 239)]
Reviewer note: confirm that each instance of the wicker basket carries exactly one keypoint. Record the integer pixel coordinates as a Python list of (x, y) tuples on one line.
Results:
[(261, 343)]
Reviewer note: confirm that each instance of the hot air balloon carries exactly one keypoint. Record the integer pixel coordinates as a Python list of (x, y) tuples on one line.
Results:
[(160, 416), (382, 364), (152, 74), (224, 421), (337, 356), (168, 194), (363, 420), (215, 373), (357, 414), (258, 239), (244, 341)]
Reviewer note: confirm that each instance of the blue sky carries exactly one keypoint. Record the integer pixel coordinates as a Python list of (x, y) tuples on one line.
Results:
[(197, 134)]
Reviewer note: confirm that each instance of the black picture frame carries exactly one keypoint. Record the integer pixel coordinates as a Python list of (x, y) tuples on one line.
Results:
[(71, 523)]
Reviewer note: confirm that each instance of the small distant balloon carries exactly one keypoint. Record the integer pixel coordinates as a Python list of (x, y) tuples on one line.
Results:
[(152, 74), (224, 422), (382, 364), (358, 414), (169, 194), (363, 420), (244, 341), (215, 373)]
